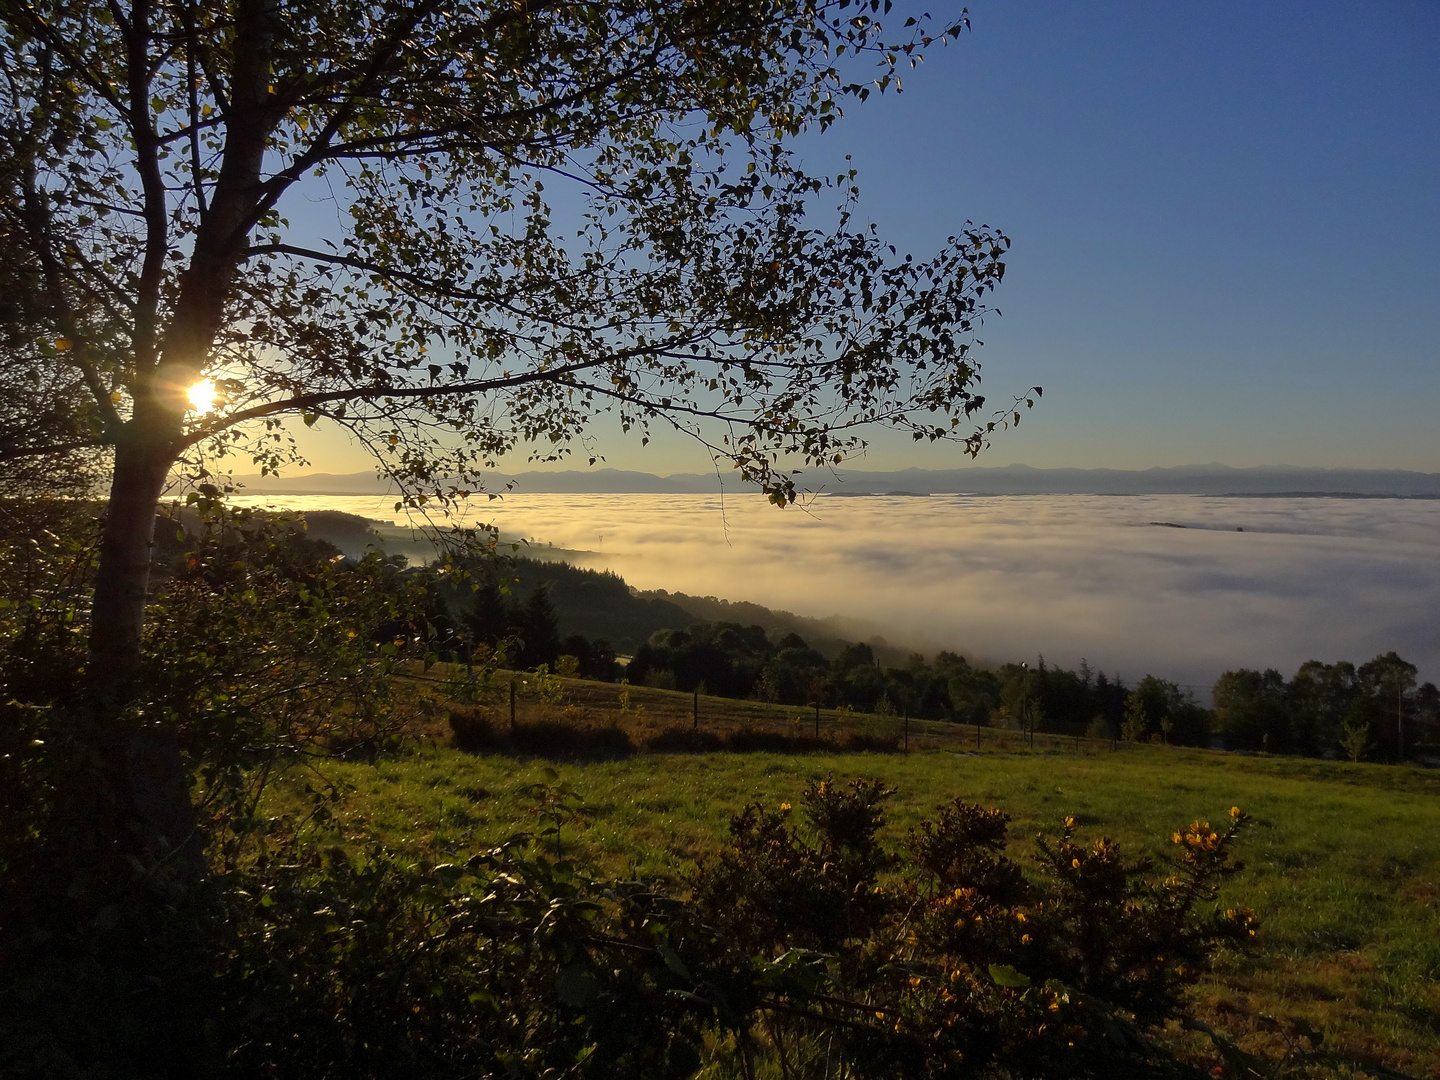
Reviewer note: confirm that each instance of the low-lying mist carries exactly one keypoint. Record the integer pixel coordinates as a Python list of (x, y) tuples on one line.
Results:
[(1111, 579)]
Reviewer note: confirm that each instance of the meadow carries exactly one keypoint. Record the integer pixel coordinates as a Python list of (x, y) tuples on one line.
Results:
[(1343, 865)]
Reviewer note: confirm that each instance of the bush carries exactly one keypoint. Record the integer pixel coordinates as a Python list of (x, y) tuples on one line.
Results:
[(473, 729), (683, 740), (753, 740), (550, 738), (946, 959), (802, 951), (861, 742)]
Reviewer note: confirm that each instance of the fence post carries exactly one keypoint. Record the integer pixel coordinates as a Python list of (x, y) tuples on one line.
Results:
[(907, 731), (977, 734), (697, 710), (512, 704), (817, 718)]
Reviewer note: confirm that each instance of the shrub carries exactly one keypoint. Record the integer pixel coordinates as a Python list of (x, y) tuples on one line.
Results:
[(549, 738), (759, 740), (949, 960), (683, 740), (804, 950), (473, 729), (861, 742)]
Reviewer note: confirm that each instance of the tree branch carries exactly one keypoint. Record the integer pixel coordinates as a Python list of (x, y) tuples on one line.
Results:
[(147, 164), (312, 402)]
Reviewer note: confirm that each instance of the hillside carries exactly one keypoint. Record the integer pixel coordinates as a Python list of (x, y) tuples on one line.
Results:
[(1340, 866), (598, 604)]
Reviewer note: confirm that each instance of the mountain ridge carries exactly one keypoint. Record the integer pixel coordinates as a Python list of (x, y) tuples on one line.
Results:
[(1211, 479)]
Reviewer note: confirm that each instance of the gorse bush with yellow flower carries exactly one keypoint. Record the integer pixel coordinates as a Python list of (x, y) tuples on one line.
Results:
[(948, 958)]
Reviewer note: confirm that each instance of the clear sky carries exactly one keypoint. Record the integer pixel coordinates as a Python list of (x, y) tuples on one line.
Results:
[(1226, 226)]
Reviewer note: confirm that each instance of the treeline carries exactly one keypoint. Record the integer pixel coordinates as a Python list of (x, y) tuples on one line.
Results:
[(738, 661), (1375, 709)]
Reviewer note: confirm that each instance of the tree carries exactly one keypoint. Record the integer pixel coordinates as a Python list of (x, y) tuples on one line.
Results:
[(442, 310), (538, 630), (1136, 721), (1321, 697), (1387, 679), (1174, 710), (1250, 710)]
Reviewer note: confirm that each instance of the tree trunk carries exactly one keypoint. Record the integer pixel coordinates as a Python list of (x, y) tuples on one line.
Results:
[(143, 806), (118, 617)]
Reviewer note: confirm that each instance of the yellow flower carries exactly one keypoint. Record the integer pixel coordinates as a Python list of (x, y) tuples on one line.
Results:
[(1235, 812), (784, 807)]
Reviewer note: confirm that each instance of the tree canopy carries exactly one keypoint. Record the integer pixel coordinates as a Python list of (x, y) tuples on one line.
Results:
[(529, 214)]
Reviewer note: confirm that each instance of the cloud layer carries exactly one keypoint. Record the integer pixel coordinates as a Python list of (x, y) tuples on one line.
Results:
[(1008, 577)]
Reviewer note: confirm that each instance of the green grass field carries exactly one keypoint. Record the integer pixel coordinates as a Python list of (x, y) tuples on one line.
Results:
[(1343, 865)]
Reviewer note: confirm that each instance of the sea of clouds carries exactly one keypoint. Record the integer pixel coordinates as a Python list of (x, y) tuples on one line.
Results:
[(1000, 578)]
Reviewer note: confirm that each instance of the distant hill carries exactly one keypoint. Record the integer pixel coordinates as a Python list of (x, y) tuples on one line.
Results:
[(1279, 481), (826, 636), (598, 603)]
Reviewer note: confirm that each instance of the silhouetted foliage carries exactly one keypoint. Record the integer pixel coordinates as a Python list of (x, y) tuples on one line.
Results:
[(966, 965), (1312, 713)]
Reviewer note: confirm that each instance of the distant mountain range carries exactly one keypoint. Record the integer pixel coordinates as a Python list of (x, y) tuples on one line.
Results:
[(1277, 480)]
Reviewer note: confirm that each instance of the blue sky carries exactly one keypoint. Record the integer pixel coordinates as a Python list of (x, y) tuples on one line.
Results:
[(1226, 221)]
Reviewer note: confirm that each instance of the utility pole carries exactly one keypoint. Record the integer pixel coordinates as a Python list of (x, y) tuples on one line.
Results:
[(1400, 718), (1025, 705)]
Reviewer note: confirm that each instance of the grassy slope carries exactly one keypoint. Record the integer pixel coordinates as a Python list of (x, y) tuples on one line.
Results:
[(1344, 866)]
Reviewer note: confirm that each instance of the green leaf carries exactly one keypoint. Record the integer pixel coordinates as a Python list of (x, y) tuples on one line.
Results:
[(1005, 975), (576, 985), (674, 963)]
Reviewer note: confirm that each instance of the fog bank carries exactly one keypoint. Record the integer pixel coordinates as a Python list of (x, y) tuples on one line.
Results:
[(1111, 579)]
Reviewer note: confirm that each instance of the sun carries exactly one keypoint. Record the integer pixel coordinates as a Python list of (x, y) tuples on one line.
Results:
[(202, 396)]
